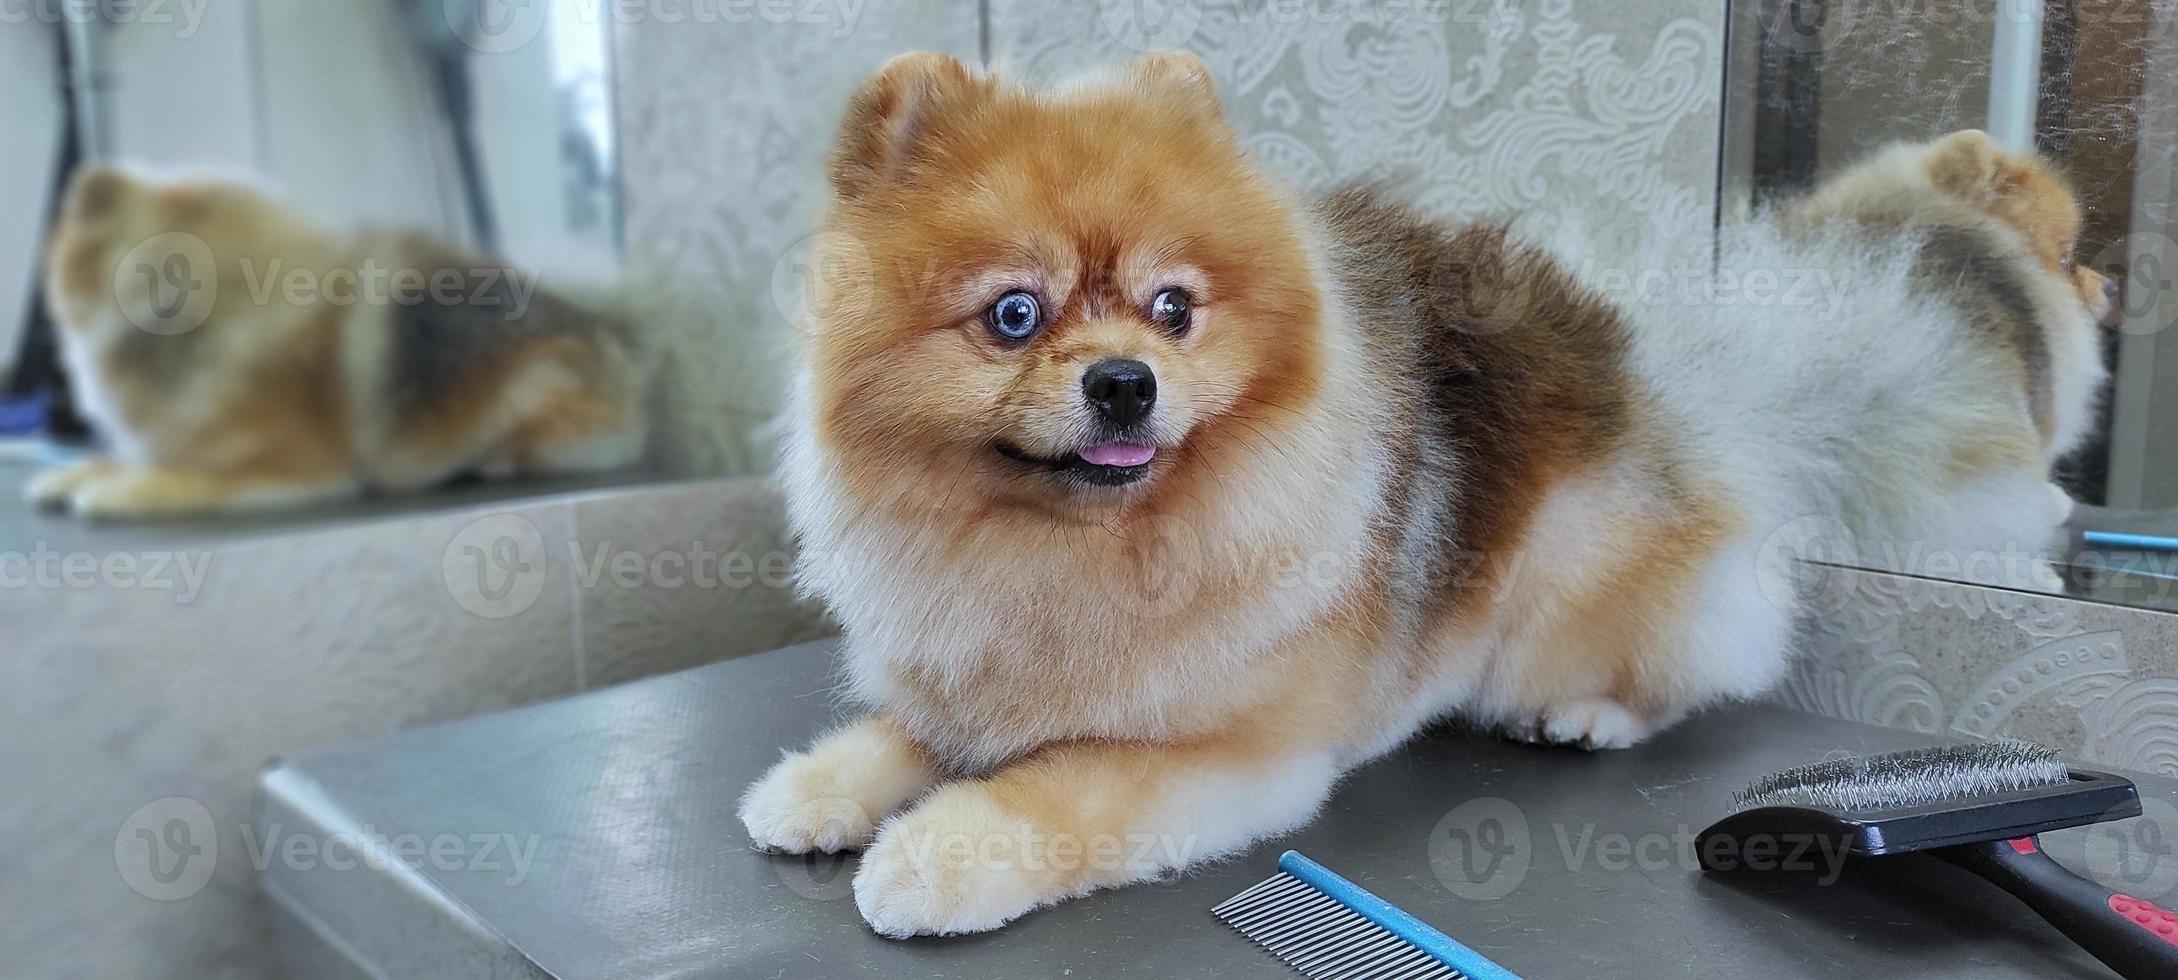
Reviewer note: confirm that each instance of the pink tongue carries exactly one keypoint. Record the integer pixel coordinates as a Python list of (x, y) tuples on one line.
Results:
[(1119, 454)]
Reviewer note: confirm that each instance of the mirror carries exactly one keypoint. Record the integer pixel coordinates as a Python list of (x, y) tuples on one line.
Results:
[(308, 261), (1813, 86)]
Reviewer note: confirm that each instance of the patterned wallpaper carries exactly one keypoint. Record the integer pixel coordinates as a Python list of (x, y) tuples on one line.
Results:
[(2097, 682), (1605, 113), (725, 125), (1602, 113)]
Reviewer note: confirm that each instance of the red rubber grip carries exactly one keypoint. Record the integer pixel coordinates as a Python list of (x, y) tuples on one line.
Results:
[(2159, 922)]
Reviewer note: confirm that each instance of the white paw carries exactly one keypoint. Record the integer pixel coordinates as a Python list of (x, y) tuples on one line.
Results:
[(1594, 724), (45, 491), (105, 498), (50, 489), (954, 864), (799, 807)]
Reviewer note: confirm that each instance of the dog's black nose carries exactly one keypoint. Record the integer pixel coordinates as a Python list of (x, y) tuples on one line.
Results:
[(1122, 390)]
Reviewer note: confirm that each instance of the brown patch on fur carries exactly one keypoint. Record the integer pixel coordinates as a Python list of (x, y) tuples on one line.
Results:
[(1967, 264), (1503, 362), (2028, 195)]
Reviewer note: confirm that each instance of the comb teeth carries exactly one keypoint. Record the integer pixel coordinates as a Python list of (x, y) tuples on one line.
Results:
[(1311, 932), (1918, 777)]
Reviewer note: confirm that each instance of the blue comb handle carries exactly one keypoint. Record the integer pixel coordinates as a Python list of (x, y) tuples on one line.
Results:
[(2138, 542), (1446, 950)]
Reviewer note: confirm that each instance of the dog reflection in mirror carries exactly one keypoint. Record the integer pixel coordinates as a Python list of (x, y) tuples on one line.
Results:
[(1997, 331), (234, 358)]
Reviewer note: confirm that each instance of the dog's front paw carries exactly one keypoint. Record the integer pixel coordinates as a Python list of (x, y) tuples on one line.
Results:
[(955, 863), (803, 805), (831, 797), (51, 489), (1593, 723)]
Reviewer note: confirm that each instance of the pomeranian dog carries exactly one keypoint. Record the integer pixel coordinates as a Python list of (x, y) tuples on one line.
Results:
[(1153, 497), (234, 358)]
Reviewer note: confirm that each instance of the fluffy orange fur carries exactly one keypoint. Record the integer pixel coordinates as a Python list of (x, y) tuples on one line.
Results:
[(993, 210), (1400, 470)]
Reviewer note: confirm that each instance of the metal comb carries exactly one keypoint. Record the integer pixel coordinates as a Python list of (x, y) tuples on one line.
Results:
[(1325, 926)]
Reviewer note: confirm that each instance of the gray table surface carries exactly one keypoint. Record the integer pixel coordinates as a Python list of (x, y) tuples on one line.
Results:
[(640, 868)]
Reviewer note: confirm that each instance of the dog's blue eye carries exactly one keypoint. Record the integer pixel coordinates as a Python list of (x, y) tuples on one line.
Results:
[(1015, 316)]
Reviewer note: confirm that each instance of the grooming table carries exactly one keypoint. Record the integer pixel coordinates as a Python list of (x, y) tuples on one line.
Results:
[(1555, 863)]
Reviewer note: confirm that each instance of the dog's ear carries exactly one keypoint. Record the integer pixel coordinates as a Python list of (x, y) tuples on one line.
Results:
[(1179, 74), (891, 114), (96, 191), (1970, 164)]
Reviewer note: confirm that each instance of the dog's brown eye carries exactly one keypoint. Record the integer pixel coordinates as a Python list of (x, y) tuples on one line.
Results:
[(1174, 309)]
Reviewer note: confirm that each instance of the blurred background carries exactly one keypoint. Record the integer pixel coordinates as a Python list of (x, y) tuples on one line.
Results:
[(676, 147)]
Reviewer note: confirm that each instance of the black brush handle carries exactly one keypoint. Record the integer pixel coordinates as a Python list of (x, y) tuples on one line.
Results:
[(2133, 937)]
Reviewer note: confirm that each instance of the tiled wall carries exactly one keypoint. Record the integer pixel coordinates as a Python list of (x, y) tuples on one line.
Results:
[(113, 696)]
